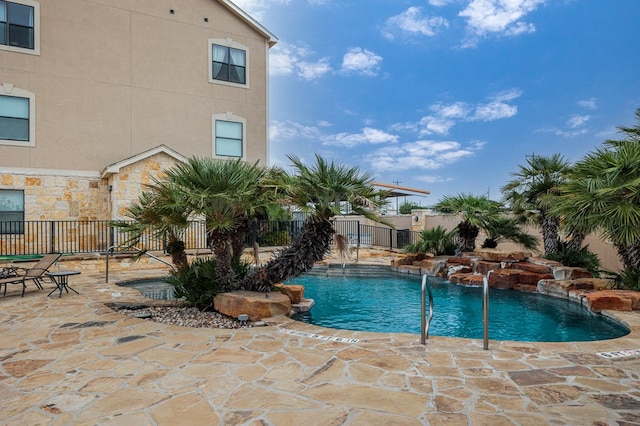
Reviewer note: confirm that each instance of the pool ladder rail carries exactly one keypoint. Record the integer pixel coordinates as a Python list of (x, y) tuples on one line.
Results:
[(426, 320)]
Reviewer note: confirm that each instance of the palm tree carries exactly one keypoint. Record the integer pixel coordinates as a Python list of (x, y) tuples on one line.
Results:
[(503, 228), (322, 191), (437, 241), (532, 192), (158, 212), (604, 193), (475, 212), (225, 194)]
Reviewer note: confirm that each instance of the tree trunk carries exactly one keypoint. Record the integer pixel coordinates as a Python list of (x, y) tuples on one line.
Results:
[(175, 248), (576, 239), (630, 255), (550, 226), (466, 238), (221, 248), (310, 246)]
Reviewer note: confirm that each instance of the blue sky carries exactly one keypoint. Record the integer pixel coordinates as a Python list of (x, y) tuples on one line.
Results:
[(448, 95)]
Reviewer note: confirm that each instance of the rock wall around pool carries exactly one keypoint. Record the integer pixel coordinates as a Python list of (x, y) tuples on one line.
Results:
[(519, 271)]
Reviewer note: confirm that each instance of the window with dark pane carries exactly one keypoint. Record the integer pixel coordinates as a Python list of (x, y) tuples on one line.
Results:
[(11, 211), (17, 25), (229, 64)]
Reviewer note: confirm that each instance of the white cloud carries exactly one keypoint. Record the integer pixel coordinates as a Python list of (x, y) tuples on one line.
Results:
[(499, 17), (289, 59), (368, 135), (591, 103), (313, 70), (433, 179), (498, 107), (445, 116), (578, 121), (361, 61), (560, 132), (411, 22), (286, 131), (424, 155), (438, 3)]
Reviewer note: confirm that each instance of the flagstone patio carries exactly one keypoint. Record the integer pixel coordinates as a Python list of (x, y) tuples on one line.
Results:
[(73, 360)]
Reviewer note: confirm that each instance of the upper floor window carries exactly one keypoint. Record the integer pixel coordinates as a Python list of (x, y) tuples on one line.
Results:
[(19, 26), (11, 211), (17, 110), (228, 62), (229, 138)]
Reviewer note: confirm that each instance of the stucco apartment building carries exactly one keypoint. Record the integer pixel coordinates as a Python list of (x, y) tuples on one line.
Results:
[(98, 96)]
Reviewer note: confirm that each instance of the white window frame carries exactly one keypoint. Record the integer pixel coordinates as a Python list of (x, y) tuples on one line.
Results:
[(36, 29), (227, 42), (228, 116), (8, 90)]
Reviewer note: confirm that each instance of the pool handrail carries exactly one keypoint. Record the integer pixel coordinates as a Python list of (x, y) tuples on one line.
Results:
[(425, 321), (110, 249), (485, 312)]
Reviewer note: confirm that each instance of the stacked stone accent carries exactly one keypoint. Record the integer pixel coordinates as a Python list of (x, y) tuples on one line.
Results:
[(522, 272)]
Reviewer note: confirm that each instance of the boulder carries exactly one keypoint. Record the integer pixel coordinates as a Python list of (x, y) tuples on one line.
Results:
[(504, 278), (615, 300), (543, 262), (255, 304), (294, 291), (570, 273), (527, 277), (496, 255), (562, 288), (531, 288), (460, 261), (483, 267), (433, 266), (533, 267)]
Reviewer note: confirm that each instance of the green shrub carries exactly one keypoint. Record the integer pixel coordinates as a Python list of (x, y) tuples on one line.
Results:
[(582, 258), (197, 284), (627, 279), (437, 241)]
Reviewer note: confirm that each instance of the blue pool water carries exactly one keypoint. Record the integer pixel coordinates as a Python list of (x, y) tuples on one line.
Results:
[(391, 303)]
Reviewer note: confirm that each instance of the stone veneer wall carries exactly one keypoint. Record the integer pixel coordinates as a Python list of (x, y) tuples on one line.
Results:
[(56, 195), (131, 180), (59, 195)]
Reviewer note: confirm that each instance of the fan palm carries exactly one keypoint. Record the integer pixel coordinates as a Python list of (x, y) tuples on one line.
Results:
[(475, 212), (323, 191), (532, 192), (507, 228), (159, 212), (604, 193), (437, 241), (226, 194)]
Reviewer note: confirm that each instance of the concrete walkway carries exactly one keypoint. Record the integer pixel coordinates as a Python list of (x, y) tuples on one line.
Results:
[(73, 360)]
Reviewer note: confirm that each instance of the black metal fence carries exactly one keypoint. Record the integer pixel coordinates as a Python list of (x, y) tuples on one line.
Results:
[(39, 237)]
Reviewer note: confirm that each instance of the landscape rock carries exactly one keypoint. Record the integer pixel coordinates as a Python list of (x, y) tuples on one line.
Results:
[(570, 273), (616, 300), (294, 291), (504, 278), (483, 267), (255, 304), (496, 255), (527, 277), (534, 267)]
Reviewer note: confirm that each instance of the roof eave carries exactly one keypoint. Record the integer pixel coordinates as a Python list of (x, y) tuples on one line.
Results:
[(271, 38)]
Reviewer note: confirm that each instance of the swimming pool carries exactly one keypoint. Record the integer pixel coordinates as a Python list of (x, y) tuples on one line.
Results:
[(152, 288), (391, 303)]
